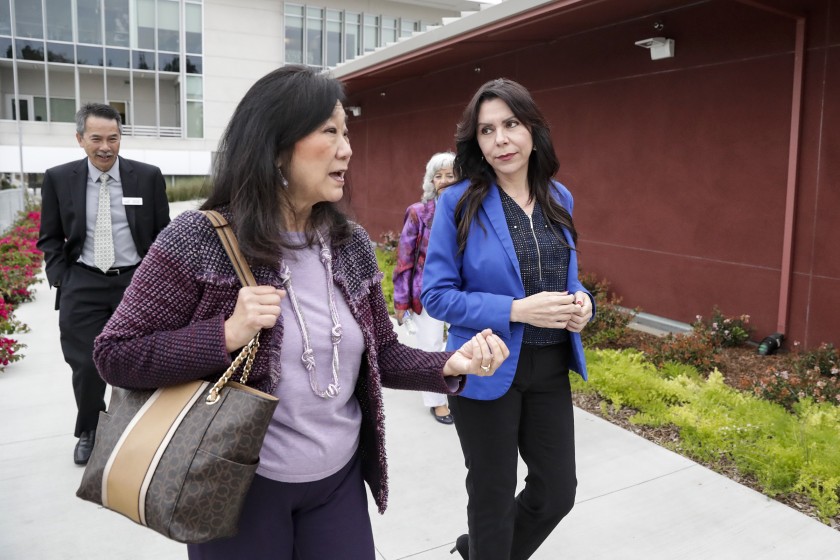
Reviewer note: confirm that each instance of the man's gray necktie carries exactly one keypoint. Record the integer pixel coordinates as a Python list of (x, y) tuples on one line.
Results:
[(103, 242)]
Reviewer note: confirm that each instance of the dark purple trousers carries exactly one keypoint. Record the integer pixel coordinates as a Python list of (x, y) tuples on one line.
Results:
[(324, 519)]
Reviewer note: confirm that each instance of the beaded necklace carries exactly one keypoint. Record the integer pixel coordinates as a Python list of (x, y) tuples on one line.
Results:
[(308, 356)]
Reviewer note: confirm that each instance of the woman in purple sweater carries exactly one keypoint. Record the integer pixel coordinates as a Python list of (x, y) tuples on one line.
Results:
[(408, 272), (327, 344)]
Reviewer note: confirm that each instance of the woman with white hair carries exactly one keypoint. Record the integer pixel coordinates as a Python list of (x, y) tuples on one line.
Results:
[(408, 272)]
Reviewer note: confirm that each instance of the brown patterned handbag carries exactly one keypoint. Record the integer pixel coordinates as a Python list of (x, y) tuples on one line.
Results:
[(181, 459)]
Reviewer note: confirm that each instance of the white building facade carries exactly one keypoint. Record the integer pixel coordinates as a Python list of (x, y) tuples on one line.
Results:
[(174, 69)]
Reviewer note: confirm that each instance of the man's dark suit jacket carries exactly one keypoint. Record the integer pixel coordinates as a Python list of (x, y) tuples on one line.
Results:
[(64, 211)]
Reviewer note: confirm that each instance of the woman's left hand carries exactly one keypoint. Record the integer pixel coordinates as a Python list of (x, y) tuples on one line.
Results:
[(582, 314), (481, 355)]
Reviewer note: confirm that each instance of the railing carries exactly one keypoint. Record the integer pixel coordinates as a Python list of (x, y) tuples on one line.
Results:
[(153, 131)]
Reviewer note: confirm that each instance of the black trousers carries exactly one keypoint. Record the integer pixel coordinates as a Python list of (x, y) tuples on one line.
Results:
[(535, 419), (86, 302)]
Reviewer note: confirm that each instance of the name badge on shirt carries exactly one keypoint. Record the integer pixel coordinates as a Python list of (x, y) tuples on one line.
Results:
[(132, 201)]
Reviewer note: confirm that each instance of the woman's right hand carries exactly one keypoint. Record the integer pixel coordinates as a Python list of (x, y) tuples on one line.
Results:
[(400, 314), (257, 307), (550, 310)]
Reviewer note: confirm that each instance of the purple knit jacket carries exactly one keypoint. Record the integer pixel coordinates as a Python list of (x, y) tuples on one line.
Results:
[(169, 329)]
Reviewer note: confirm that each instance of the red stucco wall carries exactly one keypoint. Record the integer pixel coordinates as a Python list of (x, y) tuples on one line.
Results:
[(678, 166)]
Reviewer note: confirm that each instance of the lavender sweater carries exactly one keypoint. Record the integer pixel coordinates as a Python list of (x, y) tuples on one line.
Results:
[(169, 329)]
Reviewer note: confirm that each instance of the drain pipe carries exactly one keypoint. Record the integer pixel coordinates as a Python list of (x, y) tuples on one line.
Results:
[(793, 160)]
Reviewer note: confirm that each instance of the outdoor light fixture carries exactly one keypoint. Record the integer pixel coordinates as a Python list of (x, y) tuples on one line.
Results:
[(660, 47), (770, 344), (354, 110)]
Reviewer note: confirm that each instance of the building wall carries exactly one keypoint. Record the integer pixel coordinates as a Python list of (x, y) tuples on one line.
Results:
[(678, 166), (243, 40), (237, 52)]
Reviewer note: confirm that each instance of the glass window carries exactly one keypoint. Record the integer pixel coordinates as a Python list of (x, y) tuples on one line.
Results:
[(194, 87), (89, 21), (168, 26), (23, 103), (39, 108), (194, 64), (28, 21), (145, 24), (62, 110), (407, 27), (118, 58), (192, 21), (168, 62), (333, 37), (294, 35), (142, 60), (30, 50), (6, 48), (352, 37), (371, 32), (90, 56), (116, 23), (60, 52), (314, 37), (195, 119), (5, 19), (59, 20), (389, 30)]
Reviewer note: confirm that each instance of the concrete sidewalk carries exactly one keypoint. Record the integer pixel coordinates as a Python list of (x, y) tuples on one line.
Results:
[(635, 499)]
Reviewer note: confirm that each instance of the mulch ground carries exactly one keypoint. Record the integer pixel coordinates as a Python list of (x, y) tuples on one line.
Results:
[(738, 365)]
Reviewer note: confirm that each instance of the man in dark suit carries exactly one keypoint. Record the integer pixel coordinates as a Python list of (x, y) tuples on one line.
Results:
[(99, 217)]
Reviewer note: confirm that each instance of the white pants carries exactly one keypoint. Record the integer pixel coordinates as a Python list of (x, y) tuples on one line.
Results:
[(429, 337)]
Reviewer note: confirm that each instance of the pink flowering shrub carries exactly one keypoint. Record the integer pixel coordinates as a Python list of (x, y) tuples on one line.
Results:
[(722, 331), (20, 262), (814, 374)]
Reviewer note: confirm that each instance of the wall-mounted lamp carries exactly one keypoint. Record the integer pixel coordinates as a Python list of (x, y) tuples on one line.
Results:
[(354, 110), (660, 47), (477, 69)]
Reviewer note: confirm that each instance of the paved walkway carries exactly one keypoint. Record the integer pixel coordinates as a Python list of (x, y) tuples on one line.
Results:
[(636, 500)]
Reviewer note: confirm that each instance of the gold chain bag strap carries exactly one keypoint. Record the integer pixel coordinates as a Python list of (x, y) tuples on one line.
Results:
[(181, 459)]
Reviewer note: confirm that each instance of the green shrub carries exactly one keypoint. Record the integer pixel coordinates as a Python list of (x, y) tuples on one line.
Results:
[(690, 349), (788, 452), (184, 187), (386, 257), (611, 321)]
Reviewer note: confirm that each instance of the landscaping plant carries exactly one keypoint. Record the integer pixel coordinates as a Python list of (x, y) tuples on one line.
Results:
[(20, 262), (788, 452)]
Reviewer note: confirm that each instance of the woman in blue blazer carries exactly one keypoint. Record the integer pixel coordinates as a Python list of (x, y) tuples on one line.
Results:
[(502, 254)]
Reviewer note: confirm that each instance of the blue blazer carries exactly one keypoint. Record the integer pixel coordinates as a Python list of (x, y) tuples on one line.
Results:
[(474, 290)]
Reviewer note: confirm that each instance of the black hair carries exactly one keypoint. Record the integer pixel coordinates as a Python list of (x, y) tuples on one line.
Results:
[(96, 110), (280, 109), (542, 163)]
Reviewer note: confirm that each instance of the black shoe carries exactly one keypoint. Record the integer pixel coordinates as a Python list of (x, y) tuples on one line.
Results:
[(84, 447), (445, 419), (462, 545)]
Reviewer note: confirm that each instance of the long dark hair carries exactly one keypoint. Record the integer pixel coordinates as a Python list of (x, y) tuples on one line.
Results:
[(542, 163), (280, 109)]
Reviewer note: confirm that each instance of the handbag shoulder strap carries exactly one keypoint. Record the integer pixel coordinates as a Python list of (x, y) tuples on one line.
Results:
[(231, 245)]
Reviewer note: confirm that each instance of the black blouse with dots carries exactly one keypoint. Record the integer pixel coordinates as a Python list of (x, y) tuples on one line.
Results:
[(543, 262)]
